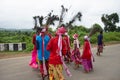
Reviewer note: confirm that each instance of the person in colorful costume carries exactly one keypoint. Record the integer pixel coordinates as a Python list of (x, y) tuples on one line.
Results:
[(67, 57), (43, 54), (87, 55), (76, 52), (100, 43), (57, 48), (33, 62)]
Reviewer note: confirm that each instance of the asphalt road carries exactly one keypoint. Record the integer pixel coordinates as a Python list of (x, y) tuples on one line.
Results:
[(106, 67)]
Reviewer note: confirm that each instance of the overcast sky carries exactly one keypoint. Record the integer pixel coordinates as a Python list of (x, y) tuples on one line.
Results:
[(18, 13)]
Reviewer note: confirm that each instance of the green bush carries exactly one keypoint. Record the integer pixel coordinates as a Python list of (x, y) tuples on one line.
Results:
[(111, 36)]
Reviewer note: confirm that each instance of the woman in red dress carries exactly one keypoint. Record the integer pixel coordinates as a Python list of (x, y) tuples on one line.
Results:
[(87, 55), (57, 48)]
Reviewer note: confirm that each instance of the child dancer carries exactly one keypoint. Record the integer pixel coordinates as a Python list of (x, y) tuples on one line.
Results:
[(43, 53), (76, 53)]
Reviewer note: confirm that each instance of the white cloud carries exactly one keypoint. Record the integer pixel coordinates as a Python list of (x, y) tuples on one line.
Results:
[(19, 13)]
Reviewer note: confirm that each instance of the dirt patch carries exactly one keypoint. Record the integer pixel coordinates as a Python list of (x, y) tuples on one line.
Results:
[(4, 55)]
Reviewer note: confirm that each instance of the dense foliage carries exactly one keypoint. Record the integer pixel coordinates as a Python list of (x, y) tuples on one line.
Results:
[(16, 36)]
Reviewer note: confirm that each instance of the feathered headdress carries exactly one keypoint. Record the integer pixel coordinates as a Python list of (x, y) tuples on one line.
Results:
[(50, 19), (77, 16), (63, 11), (94, 29)]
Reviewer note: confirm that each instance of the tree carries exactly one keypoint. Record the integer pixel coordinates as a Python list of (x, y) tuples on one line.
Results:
[(77, 16), (110, 21), (118, 29)]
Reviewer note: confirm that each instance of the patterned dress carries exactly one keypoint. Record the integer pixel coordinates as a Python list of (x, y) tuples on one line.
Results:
[(76, 52)]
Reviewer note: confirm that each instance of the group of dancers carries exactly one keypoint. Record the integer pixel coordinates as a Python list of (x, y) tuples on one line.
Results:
[(51, 53)]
